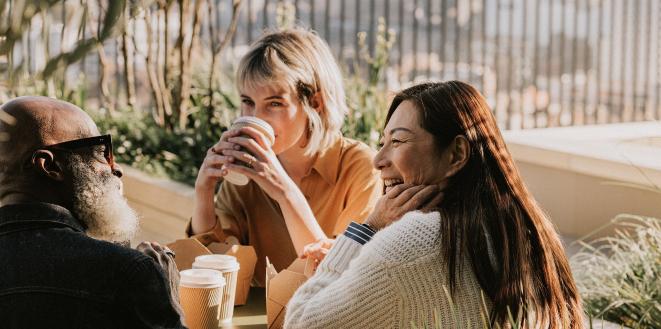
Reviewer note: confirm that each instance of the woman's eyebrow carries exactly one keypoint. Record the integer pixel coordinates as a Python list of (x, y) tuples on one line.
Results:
[(273, 97), (393, 130)]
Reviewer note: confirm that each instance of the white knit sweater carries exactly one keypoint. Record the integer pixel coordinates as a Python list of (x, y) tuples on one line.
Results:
[(396, 280)]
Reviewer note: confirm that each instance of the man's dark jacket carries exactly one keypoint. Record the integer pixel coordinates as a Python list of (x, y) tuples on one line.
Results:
[(54, 276)]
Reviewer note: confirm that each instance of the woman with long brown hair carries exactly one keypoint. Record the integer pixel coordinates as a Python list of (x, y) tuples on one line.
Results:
[(467, 243)]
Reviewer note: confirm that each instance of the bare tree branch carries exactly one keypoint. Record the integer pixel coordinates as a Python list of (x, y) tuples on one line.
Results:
[(159, 114), (113, 14), (106, 66), (127, 54), (218, 47)]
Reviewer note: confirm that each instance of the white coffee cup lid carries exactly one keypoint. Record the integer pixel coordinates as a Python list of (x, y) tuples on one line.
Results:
[(223, 263), (201, 278), (257, 121)]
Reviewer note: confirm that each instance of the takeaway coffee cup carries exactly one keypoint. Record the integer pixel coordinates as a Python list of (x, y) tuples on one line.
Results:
[(229, 267), (200, 294), (258, 124)]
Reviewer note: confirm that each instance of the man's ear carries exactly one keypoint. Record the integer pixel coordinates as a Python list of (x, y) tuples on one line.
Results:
[(459, 153), (44, 162), (317, 102)]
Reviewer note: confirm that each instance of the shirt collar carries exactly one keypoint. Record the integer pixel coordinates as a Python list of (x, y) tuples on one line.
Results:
[(327, 162), (39, 212)]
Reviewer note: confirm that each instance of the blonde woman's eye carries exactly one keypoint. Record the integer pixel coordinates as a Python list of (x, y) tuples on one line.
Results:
[(276, 104), (247, 102)]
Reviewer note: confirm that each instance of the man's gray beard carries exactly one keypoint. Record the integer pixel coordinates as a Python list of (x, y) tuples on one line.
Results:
[(99, 204)]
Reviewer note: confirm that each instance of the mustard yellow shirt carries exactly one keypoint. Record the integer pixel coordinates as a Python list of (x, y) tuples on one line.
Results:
[(341, 187)]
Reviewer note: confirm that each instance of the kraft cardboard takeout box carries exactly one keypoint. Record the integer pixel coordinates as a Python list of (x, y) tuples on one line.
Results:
[(187, 249), (280, 287)]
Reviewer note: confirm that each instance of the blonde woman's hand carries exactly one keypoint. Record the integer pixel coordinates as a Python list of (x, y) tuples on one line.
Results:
[(401, 199), (263, 165), (317, 251), (212, 169)]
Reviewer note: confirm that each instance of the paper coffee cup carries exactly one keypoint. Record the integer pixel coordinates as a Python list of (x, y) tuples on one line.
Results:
[(229, 267), (258, 124), (200, 295)]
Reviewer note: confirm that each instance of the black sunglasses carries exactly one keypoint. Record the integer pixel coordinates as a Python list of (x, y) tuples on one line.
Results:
[(72, 145)]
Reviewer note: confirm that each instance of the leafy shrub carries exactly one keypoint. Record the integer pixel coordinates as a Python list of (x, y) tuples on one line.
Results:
[(619, 277), (174, 153), (367, 97)]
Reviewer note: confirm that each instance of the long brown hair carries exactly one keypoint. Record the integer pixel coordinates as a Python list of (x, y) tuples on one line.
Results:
[(489, 214)]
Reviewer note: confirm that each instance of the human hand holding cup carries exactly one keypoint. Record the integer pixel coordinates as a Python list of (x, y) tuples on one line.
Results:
[(264, 167), (220, 155), (260, 132)]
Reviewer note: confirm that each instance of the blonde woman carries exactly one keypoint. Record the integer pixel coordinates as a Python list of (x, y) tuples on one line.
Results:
[(312, 182)]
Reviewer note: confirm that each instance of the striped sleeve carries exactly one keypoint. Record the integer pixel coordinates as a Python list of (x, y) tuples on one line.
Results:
[(359, 232)]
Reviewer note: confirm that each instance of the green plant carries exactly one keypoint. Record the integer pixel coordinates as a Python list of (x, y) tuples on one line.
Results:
[(368, 98), (620, 276), (177, 153)]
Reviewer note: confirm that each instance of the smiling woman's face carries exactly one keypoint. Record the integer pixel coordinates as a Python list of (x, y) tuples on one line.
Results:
[(409, 154)]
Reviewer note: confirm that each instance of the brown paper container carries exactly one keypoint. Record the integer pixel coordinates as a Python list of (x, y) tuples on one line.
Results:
[(200, 306), (280, 287), (187, 249)]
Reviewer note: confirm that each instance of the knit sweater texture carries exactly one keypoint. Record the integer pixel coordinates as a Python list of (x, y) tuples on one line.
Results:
[(396, 280)]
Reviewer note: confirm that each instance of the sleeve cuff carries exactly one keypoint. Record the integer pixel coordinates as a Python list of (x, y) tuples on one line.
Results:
[(346, 248), (215, 234), (339, 257), (360, 233)]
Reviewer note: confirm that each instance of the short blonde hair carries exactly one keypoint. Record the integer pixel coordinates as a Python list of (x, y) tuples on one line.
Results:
[(302, 61)]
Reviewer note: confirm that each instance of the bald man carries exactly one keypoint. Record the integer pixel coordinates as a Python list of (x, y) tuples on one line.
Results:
[(63, 221)]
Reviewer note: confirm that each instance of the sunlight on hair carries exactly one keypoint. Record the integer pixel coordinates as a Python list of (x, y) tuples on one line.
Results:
[(301, 61)]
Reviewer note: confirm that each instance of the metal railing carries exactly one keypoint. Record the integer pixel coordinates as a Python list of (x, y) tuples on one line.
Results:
[(540, 63)]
